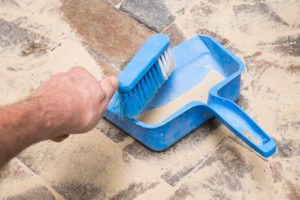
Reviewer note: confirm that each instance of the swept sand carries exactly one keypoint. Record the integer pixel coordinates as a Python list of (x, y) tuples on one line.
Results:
[(197, 93)]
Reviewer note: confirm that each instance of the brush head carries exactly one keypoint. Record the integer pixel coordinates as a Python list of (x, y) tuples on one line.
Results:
[(143, 76)]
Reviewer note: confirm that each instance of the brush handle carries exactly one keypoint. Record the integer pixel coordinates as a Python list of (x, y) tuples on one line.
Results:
[(144, 59), (242, 125)]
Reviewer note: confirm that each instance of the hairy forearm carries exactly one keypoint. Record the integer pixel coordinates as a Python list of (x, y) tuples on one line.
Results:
[(71, 102), (20, 126)]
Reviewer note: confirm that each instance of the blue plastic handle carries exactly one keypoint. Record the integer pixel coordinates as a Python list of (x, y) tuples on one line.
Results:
[(152, 49), (242, 125)]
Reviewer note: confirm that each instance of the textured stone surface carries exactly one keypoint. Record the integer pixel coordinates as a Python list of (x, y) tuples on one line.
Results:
[(113, 35), (154, 14), (176, 36), (113, 2), (258, 11), (77, 191), (132, 191), (31, 43), (111, 131), (34, 194), (106, 163), (228, 172), (14, 174), (12, 34), (288, 45)]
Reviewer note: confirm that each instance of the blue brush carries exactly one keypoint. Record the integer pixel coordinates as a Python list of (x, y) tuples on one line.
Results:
[(143, 76)]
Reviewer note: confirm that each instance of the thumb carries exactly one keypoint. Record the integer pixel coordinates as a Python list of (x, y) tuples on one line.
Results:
[(110, 86)]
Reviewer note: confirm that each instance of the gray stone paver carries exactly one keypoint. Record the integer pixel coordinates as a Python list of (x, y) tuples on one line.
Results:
[(154, 14)]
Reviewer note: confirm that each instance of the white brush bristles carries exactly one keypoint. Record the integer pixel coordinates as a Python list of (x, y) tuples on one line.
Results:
[(166, 63)]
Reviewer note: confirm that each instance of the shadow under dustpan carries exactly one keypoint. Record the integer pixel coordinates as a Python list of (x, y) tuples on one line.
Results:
[(204, 84)]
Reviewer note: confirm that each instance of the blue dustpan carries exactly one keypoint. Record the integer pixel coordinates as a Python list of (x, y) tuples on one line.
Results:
[(195, 59)]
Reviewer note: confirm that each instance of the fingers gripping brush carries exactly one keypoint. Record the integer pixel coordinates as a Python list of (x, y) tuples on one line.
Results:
[(143, 76)]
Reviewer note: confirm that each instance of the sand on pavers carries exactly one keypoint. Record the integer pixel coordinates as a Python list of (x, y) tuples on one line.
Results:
[(251, 29), (264, 34), (94, 160), (19, 74), (89, 160), (197, 93)]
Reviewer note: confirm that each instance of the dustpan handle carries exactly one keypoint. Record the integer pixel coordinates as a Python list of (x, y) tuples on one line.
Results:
[(242, 125)]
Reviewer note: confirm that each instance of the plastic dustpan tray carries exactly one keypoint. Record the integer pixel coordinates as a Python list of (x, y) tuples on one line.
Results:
[(196, 59)]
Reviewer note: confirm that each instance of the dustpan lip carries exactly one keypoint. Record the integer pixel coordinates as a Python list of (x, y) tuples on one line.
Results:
[(241, 66)]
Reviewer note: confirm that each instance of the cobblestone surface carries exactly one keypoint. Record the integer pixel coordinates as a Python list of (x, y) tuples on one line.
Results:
[(106, 163)]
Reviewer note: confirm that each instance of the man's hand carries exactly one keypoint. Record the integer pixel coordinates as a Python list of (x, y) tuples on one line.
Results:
[(73, 102)]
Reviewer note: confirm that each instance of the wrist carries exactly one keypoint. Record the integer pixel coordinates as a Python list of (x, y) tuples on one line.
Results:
[(34, 120), (50, 117), (46, 118)]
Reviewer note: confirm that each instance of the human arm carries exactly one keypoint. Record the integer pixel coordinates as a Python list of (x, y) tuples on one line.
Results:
[(71, 102)]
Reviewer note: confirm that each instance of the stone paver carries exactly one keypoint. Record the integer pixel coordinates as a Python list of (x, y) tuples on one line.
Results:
[(112, 132), (31, 43), (232, 173), (133, 191), (113, 35), (154, 14), (12, 34), (176, 36), (15, 174), (210, 163), (76, 191), (34, 194)]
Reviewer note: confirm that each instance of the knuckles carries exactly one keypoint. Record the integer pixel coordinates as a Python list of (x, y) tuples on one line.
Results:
[(102, 95)]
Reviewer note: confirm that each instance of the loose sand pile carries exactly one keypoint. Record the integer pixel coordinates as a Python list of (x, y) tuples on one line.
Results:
[(197, 93)]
